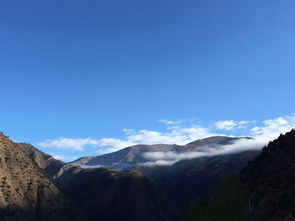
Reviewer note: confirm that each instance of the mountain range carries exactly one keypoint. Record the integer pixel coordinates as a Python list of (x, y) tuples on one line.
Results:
[(35, 186), (134, 156)]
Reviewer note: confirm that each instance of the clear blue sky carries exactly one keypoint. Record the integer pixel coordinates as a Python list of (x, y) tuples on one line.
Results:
[(91, 68)]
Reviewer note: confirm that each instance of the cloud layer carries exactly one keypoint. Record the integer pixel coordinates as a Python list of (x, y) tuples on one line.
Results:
[(261, 135), (230, 124), (168, 158), (173, 135), (177, 133)]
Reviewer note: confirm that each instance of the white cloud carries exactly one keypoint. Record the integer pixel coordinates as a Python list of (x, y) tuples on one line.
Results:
[(170, 157), (170, 122), (59, 157), (69, 143), (64, 158), (261, 135), (272, 128), (176, 133), (173, 135), (113, 144), (230, 124)]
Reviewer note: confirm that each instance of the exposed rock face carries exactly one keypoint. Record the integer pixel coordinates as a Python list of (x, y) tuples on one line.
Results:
[(26, 192), (109, 194), (44, 161), (269, 181)]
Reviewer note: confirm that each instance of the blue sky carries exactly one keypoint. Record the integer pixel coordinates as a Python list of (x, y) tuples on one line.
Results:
[(89, 69)]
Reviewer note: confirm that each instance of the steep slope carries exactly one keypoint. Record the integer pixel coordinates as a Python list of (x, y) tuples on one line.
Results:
[(108, 194), (26, 193), (215, 141), (269, 181), (125, 158), (190, 180), (131, 157), (44, 161)]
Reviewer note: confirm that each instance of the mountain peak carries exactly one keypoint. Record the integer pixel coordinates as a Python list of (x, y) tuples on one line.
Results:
[(133, 156)]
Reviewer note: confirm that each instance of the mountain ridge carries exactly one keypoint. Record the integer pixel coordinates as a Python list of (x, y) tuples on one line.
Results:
[(269, 180), (129, 157), (26, 192)]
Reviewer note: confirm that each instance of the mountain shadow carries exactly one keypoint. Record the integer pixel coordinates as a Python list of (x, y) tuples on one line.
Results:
[(109, 194), (269, 181), (195, 179)]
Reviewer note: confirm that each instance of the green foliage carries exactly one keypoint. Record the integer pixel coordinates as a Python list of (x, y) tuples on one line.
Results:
[(226, 204)]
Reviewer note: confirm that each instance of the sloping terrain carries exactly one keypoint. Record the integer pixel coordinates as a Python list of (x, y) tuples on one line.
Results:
[(194, 179), (269, 181), (109, 194), (26, 192), (44, 161), (125, 158), (131, 157)]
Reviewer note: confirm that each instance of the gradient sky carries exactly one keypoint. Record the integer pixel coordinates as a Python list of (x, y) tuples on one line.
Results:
[(88, 69)]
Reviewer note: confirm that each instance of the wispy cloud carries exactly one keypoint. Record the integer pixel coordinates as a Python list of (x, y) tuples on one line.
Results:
[(170, 122), (177, 133), (64, 158), (230, 124), (261, 135), (273, 127), (170, 157), (69, 143), (172, 135)]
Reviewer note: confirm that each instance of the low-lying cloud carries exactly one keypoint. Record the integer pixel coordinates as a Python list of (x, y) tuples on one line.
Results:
[(177, 133), (168, 158), (270, 130)]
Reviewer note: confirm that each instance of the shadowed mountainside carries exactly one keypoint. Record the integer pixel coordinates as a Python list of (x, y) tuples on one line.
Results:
[(269, 181), (264, 189), (194, 179), (183, 182), (130, 194), (109, 194)]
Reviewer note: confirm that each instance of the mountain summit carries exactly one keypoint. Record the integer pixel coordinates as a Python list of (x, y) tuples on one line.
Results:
[(132, 157)]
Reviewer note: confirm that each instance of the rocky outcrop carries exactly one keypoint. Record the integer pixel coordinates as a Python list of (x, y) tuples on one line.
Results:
[(44, 161), (26, 192)]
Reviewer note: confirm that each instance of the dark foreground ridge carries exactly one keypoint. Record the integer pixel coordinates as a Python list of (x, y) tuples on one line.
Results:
[(269, 181), (109, 194), (264, 189)]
